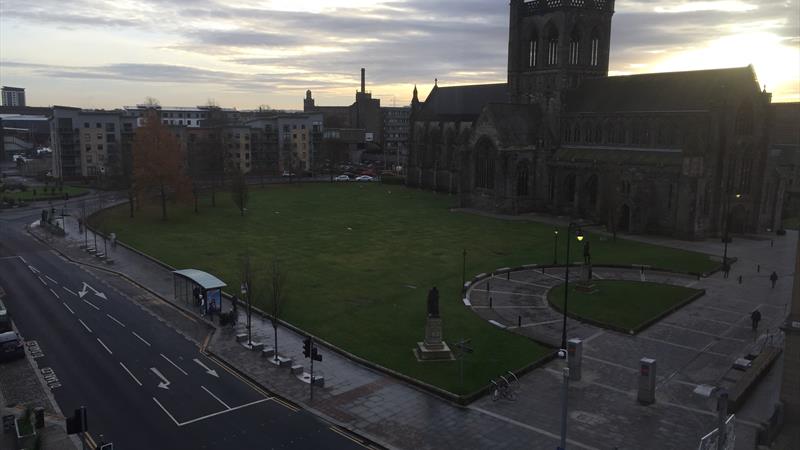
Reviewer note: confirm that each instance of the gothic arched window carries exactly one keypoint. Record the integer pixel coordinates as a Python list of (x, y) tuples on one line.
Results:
[(552, 46), (523, 175), (574, 47), (533, 51), (484, 165)]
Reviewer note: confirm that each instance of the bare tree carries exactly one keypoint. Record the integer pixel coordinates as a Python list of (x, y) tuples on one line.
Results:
[(277, 285), (151, 102), (240, 190)]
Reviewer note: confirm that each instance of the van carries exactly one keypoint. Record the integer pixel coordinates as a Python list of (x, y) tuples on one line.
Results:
[(5, 320), (11, 346)]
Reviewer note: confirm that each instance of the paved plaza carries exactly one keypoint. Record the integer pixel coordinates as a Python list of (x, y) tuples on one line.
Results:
[(695, 345)]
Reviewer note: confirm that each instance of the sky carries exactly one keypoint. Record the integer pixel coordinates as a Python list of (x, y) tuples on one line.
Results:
[(251, 53)]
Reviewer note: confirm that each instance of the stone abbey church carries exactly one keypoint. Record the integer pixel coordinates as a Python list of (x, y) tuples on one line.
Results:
[(670, 153)]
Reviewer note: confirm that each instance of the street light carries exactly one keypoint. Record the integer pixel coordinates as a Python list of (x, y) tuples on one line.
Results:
[(555, 247), (727, 228), (579, 237), (249, 334)]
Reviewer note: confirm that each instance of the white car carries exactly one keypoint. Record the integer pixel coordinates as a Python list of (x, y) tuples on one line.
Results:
[(364, 178), (342, 178)]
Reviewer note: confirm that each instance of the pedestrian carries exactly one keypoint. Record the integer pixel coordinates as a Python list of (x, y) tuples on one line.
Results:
[(755, 317), (773, 278), (202, 306)]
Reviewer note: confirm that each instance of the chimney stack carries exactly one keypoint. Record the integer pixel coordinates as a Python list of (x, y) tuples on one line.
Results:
[(363, 80)]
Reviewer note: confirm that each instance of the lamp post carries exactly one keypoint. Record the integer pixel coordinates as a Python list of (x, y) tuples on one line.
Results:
[(244, 292), (726, 237), (579, 237), (555, 247)]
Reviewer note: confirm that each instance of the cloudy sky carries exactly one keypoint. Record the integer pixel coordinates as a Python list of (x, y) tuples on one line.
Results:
[(247, 53)]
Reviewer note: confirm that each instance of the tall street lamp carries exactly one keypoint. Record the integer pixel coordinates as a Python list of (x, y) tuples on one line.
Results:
[(579, 237), (555, 247), (727, 228)]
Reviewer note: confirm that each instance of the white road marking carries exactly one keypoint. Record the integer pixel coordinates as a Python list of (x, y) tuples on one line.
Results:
[(176, 366), (85, 288), (141, 338), (70, 291), (43, 282), (115, 320), (91, 304), (208, 371), (166, 412), (223, 412), (54, 293), (34, 269), (594, 336), (686, 347), (104, 346), (23, 260), (131, 374), (522, 294), (85, 326), (67, 306), (52, 280), (526, 283), (536, 324), (164, 381), (532, 428), (693, 330), (218, 399)]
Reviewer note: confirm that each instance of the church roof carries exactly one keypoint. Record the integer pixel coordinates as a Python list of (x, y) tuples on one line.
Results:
[(462, 102), (658, 92), (517, 125)]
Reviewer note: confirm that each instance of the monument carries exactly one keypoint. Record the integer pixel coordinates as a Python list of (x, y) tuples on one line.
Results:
[(433, 348), (586, 285)]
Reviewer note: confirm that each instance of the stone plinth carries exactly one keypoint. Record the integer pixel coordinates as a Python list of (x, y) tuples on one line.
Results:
[(433, 348), (586, 285)]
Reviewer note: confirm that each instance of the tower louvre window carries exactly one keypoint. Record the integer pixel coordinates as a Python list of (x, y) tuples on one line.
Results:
[(595, 53), (533, 52), (574, 51), (552, 51)]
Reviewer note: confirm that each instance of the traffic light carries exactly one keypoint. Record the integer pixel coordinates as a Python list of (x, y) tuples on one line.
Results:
[(307, 347)]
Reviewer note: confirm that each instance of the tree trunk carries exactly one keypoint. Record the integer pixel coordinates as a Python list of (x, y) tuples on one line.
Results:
[(163, 203)]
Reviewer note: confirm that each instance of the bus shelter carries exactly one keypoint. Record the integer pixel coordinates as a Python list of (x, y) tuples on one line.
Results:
[(195, 287)]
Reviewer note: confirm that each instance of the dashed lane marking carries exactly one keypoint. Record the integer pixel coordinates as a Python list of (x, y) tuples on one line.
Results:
[(131, 374), (141, 338), (218, 399), (54, 293), (105, 347), (43, 282), (91, 304), (67, 306), (23, 260), (51, 280), (86, 326), (176, 366), (115, 320)]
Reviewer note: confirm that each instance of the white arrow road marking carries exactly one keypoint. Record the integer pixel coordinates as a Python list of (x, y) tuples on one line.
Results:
[(85, 326), (218, 399), (91, 304), (115, 320), (208, 371), (141, 338), (131, 374), (67, 306), (176, 366), (105, 347), (164, 381), (85, 289)]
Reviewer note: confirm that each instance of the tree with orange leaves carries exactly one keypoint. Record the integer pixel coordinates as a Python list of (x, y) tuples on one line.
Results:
[(158, 162)]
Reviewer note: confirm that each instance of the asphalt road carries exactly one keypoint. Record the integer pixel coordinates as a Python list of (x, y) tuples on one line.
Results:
[(145, 385)]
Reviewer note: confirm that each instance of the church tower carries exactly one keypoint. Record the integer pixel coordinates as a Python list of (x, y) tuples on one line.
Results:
[(554, 44)]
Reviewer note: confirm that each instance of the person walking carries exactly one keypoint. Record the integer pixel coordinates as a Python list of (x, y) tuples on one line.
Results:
[(773, 278), (755, 317)]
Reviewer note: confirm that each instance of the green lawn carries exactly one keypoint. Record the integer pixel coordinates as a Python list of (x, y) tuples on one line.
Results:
[(41, 195), (624, 305), (360, 260), (791, 223)]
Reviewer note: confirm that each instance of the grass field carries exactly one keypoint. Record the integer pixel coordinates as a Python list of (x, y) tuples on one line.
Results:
[(791, 223), (41, 195), (625, 305), (360, 259)]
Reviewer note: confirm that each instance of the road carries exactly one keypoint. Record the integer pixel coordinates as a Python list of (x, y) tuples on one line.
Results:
[(145, 385)]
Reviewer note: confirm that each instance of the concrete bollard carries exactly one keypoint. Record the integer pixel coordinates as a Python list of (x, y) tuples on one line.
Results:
[(647, 381), (574, 358)]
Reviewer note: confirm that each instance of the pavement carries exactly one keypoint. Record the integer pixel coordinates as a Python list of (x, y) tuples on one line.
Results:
[(694, 345)]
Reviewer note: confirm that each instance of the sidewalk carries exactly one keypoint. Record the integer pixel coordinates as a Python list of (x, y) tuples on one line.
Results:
[(603, 413)]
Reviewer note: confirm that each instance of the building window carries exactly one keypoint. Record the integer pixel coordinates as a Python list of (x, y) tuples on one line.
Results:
[(522, 178), (99, 146), (99, 125), (100, 136), (595, 54), (574, 49), (484, 168), (552, 51), (533, 52), (110, 127), (85, 124)]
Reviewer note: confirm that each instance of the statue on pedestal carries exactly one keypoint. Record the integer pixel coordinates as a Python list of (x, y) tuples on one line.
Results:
[(433, 303), (433, 347)]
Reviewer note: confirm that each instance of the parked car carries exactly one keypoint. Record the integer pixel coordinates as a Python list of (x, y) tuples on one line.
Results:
[(11, 346), (286, 173), (5, 320), (366, 178), (342, 178)]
